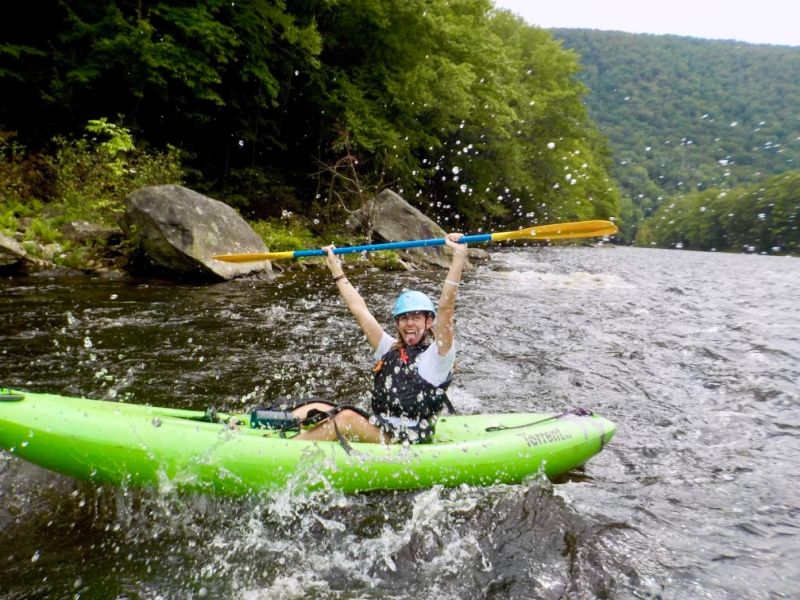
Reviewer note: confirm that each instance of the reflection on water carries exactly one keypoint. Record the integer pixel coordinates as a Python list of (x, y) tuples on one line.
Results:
[(695, 356)]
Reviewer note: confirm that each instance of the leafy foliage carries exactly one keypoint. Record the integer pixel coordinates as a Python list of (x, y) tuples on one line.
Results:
[(85, 179), (685, 115), (13, 211), (92, 175), (755, 218), (285, 234), (118, 141), (465, 110), (471, 110)]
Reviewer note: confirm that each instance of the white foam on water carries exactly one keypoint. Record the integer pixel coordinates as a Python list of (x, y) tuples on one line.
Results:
[(578, 280), (463, 401), (306, 584), (322, 550)]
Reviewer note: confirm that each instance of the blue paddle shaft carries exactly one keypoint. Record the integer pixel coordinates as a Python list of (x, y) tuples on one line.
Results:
[(477, 238)]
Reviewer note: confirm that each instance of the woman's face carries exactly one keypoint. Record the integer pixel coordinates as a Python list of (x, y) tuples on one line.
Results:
[(412, 326)]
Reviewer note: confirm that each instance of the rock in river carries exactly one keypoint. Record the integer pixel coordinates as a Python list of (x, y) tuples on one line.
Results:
[(390, 218), (179, 230)]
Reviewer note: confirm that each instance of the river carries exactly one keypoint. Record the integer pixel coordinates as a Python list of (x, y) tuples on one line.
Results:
[(695, 356)]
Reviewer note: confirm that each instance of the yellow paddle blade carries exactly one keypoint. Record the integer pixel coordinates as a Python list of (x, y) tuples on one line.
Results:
[(254, 256), (559, 231)]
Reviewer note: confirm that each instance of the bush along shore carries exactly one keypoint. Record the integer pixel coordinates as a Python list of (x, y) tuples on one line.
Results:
[(60, 211), (84, 247)]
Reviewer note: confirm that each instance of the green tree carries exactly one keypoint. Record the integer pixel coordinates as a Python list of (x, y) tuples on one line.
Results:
[(316, 104), (462, 105), (763, 217)]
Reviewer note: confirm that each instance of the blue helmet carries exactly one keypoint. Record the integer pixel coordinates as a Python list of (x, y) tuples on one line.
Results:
[(413, 301)]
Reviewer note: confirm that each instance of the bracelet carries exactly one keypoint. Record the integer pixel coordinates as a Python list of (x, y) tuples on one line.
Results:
[(338, 277), (451, 282)]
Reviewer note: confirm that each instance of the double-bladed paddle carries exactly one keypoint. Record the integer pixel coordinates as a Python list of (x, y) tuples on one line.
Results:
[(556, 231)]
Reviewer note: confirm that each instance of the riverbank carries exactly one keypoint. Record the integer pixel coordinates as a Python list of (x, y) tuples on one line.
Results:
[(84, 248)]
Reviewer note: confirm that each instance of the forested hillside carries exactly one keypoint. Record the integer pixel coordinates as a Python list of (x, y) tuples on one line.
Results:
[(685, 115), (309, 106)]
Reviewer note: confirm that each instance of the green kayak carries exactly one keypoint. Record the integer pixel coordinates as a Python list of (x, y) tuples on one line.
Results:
[(137, 445)]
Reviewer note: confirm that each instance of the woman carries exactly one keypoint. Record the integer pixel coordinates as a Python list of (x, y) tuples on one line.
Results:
[(412, 371)]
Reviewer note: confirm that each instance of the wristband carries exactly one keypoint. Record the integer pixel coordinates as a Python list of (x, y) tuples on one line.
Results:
[(338, 277), (451, 282)]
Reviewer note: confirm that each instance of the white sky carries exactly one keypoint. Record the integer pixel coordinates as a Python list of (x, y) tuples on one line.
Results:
[(755, 21)]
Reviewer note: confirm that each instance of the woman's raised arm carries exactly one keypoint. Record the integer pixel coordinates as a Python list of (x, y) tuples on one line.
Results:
[(443, 326), (353, 300)]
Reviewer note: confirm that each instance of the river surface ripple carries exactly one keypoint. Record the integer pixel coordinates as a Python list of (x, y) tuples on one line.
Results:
[(695, 356)]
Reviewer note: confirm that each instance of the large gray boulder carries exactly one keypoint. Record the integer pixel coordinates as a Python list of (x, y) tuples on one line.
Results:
[(390, 218), (179, 230)]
